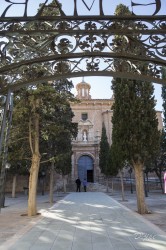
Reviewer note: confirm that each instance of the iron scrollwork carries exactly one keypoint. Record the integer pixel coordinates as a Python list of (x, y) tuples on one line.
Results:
[(65, 46)]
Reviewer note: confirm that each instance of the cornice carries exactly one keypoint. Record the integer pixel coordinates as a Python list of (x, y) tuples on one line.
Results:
[(93, 102)]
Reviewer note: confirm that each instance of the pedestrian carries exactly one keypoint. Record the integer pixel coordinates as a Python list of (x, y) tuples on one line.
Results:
[(84, 184), (78, 183)]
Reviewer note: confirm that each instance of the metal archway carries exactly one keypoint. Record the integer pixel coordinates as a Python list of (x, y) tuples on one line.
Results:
[(52, 45)]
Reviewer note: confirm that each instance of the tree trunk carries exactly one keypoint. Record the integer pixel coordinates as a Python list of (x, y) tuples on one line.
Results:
[(14, 186), (52, 183), (161, 185), (33, 179), (34, 170), (159, 175), (64, 184), (112, 186), (107, 184), (122, 185), (147, 182), (139, 178)]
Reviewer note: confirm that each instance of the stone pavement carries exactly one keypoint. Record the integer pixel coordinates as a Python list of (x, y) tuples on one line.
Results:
[(156, 202), (88, 221), (13, 219)]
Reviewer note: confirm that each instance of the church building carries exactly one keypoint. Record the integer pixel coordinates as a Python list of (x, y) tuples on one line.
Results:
[(90, 114)]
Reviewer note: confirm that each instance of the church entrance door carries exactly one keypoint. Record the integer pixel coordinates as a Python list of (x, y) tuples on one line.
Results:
[(85, 168)]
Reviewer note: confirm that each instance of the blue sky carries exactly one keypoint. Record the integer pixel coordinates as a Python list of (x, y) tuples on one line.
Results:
[(101, 89), (100, 86), (108, 6)]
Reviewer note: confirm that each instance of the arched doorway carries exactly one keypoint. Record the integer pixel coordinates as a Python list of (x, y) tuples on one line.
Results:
[(85, 168)]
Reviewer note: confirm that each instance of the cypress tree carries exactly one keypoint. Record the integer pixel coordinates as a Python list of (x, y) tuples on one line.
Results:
[(135, 125), (104, 152)]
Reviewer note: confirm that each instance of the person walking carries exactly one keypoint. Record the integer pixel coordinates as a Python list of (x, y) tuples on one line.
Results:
[(84, 184), (78, 183)]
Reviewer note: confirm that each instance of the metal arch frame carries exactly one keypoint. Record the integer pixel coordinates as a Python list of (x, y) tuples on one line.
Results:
[(48, 40), (92, 38), (54, 77), (60, 61), (4, 137)]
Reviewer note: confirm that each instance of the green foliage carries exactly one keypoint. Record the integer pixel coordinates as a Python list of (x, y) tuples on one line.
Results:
[(157, 163), (56, 127), (63, 163), (113, 165), (135, 125), (104, 152), (106, 157), (160, 161), (50, 10), (122, 10)]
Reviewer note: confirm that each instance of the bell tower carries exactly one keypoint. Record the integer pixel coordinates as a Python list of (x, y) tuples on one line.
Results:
[(83, 90)]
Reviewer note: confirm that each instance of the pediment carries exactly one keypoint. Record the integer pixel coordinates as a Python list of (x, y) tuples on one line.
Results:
[(85, 123)]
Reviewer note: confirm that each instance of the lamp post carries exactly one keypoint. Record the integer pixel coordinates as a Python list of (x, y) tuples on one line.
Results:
[(131, 184)]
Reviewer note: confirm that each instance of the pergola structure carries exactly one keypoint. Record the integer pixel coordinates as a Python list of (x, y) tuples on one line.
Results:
[(53, 45)]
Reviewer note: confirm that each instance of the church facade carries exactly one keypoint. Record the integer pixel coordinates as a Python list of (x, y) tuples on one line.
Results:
[(90, 114)]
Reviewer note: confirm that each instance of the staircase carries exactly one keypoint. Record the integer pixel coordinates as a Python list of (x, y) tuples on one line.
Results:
[(91, 187)]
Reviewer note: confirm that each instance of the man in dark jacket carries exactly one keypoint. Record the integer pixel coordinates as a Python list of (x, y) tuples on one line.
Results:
[(78, 183)]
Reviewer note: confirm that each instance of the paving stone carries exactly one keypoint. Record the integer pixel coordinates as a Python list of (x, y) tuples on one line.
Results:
[(87, 221)]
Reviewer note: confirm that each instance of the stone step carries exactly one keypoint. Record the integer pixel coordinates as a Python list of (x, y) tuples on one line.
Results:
[(91, 187)]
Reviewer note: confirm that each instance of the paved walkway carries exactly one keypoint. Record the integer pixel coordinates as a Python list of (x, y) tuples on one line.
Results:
[(156, 203), (89, 221)]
